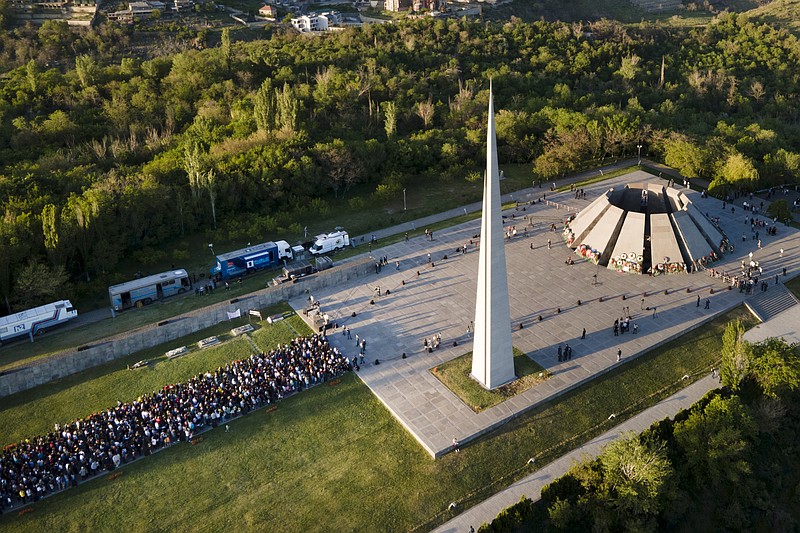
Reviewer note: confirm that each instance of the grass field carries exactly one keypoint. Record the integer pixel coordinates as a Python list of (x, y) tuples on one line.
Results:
[(333, 459), (455, 374)]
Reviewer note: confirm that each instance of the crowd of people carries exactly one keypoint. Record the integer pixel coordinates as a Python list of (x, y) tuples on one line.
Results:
[(108, 439)]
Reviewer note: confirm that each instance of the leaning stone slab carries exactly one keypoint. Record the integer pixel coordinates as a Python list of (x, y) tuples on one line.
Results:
[(177, 352), (241, 330), (208, 341)]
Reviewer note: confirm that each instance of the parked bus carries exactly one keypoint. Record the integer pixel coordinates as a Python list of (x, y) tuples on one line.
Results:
[(35, 321), (144, 291)]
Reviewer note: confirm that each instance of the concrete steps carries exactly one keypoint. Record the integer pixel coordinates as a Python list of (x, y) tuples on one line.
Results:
[(766, 305)]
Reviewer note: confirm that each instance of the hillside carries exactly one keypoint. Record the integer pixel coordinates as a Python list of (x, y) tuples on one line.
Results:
[(781, 13)]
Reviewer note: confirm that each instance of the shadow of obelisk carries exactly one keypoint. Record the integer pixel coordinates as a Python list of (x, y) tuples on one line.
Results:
[(492, 353)]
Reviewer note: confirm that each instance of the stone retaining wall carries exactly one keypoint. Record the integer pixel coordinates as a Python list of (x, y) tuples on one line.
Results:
[(72, 361)]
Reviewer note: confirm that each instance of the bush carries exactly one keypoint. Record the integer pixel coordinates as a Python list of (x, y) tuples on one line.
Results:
[(180, 255), (356, 203), (387, 191), (149, 256)]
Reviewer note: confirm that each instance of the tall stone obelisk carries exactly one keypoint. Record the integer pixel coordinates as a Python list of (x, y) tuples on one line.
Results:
[(492, 353)]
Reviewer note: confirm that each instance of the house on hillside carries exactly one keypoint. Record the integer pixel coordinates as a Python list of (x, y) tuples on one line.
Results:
[(268, 12), (317, 22)]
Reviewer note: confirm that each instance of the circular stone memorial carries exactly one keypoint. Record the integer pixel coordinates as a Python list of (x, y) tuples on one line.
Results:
[(645, 228)]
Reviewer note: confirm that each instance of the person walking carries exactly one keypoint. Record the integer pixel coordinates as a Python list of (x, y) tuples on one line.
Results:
[(619, 355), (708, 304), (698, 300), (583, 335)]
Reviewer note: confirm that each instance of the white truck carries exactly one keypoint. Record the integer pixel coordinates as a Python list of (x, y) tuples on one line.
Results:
[(285, 251), (35, 321), (329, 242)]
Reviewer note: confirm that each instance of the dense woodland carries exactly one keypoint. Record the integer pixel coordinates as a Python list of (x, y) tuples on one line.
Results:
[(729, 463), (106, 156)]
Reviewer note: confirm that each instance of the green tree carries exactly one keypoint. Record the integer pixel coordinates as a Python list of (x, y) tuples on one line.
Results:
[(55, 38), (50, 230), (38, 284), (685, 156), (226, 48), (629, 67), (264, 107), (634, 475), (738, 170), (210, 185), (193, 165), (87, 69), (736, 356), (342, 168), (389, 118), (776, 366), (32, 75), (287, 107), (715, 440), (80, 215)]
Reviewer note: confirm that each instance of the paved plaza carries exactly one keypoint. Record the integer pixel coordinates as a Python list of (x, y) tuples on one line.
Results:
[(425, 299)]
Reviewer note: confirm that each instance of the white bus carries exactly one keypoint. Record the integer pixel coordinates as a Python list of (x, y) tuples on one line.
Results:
[(35, 321), (144, 291)]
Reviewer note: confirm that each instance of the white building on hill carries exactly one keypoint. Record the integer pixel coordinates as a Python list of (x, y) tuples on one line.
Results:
[(317, 22)]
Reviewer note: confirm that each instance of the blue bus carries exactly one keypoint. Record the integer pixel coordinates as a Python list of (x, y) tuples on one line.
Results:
[(144, 291)]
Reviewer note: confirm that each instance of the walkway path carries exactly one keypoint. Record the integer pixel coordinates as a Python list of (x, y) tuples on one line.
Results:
[(531, 486)]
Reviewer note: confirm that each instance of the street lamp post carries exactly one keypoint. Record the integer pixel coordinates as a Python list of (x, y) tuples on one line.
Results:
[(639, 147), (404, 199)]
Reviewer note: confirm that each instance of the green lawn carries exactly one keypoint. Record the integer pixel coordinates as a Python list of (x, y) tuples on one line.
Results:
[(455, 374), (333, 459)]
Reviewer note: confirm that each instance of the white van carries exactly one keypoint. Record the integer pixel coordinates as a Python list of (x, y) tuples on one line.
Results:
[(329, 242)]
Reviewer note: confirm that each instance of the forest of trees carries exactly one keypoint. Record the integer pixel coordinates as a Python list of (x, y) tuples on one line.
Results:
[(105, 156), (728, 463)]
